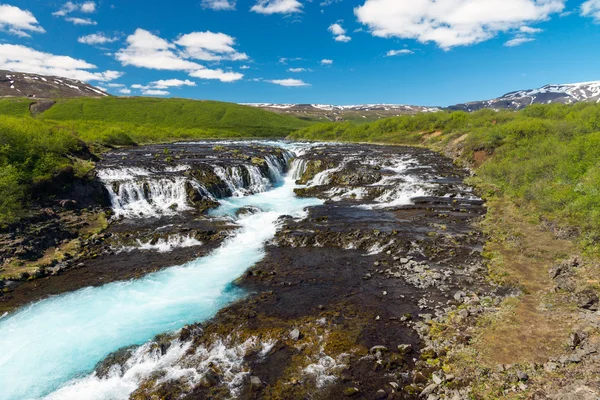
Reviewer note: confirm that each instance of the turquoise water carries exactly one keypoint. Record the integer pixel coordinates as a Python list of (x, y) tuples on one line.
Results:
[(54, 344)]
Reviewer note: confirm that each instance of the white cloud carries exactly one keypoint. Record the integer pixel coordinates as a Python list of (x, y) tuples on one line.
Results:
[(591, 8), (210, 46), (219, 5), (69, 7), (289, 82), (529, 30), (402, 52), (326, 62), (115, 85), (451, 23), (336, 29), (339, 33), (81, 21), (245, 67), (97, 38), (519, 40), (296, 70), (219, 74), (23, 59), (16, 21), (277, 7), (125, 91), (147, 50), (167, 83), (153, 92)]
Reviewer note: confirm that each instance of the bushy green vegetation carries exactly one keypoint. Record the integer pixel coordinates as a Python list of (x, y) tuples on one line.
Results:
[(546, 156), (30, 152), (173, 118), (14, 107)]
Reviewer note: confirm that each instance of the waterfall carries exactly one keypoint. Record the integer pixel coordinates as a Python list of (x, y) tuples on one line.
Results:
[(137, 192), (298, 168), (148, 197)]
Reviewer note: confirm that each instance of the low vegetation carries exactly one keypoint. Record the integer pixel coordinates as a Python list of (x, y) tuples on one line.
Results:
[(30, 152), (173, 118)]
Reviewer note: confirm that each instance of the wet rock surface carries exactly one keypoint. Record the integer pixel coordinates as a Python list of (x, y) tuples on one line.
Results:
[(340, 304)]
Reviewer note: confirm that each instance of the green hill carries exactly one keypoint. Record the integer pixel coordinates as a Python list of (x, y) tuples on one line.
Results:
[(176, 113)]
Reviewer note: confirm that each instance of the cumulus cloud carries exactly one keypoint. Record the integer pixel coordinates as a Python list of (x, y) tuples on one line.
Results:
[(591, 8), (97, 38), (210, 46), (125, 91), (167, 83), (69, 7), (326, 62), (154, 92), (219, 74), (339, 33), (402, 52), (296, 70), (289, 82), (219, 5), (24, 59), (451, 23), (18, 22), (147, 50), (277, 7)]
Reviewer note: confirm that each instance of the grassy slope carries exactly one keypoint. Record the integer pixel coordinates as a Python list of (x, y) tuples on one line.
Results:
[(179, 114)]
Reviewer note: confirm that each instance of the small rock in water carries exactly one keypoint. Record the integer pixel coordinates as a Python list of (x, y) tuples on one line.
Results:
[(255, 383), (295, 335)]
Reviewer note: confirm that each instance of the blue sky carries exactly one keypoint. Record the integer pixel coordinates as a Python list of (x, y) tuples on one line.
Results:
[(422, 52)]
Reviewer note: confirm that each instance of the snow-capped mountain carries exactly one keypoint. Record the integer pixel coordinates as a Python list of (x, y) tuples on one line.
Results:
[(565, 93), (330, 112), (18, 84), (356, 107)]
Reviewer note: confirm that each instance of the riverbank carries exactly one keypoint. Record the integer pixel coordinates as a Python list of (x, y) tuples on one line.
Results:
[(542, 342)]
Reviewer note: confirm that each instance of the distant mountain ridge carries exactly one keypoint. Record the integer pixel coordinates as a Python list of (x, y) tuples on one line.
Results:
[(564, 93), (19, 84)]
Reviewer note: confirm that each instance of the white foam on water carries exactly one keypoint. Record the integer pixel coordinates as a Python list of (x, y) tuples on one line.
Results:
[(151, 197), (163, 245), (49, 346)]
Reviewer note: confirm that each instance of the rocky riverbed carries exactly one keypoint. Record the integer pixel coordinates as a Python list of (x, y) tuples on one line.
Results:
[(343, 300)]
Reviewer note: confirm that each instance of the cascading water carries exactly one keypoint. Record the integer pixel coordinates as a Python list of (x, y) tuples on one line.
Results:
[(49, 347), (137, 192)]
